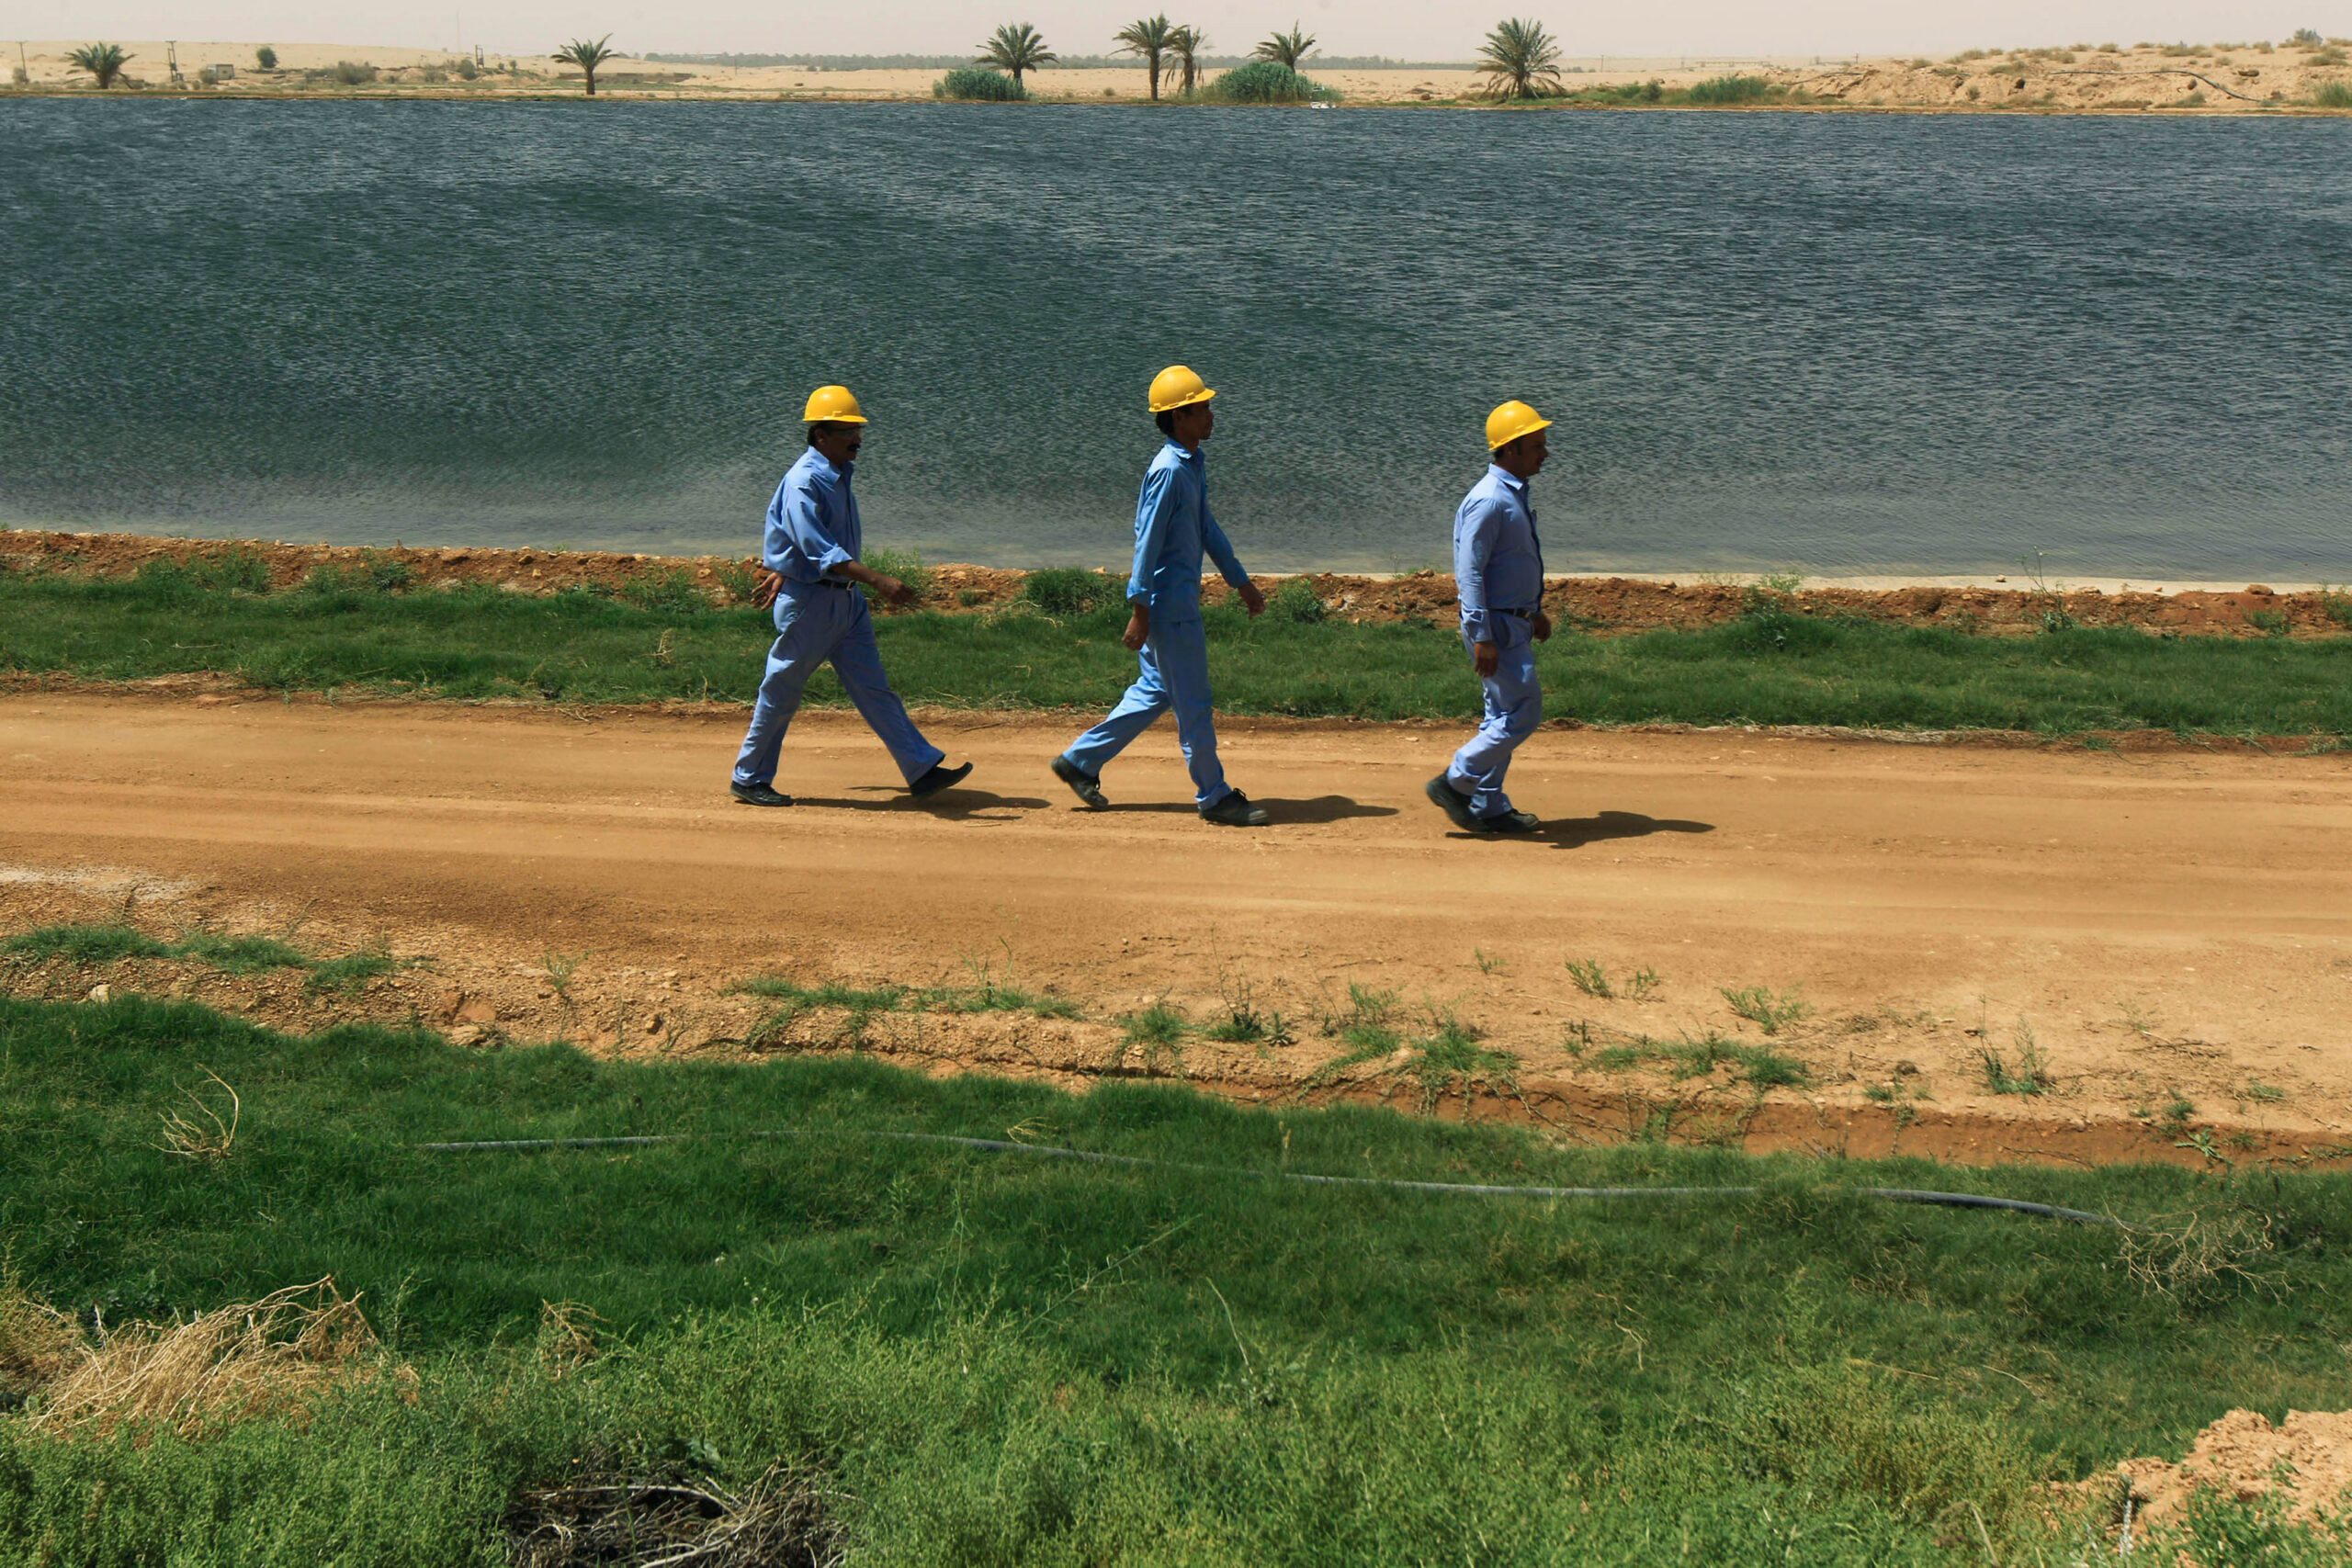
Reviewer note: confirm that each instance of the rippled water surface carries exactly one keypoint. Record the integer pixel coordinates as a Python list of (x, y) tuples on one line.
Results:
[(1840, 344)]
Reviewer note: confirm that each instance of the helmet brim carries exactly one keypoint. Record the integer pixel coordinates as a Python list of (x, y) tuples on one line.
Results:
[(1524, 430)]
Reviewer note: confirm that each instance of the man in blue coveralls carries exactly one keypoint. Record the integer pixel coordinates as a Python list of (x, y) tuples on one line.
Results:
[(812, 545), (1173, 528), (1499, 571)]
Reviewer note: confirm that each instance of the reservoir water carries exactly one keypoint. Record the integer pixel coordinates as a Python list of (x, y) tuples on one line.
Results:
[(1839, 344)]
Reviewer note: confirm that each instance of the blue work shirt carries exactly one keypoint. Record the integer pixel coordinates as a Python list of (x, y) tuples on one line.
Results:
[(1498, 559), (1173, 526), (812, 523)]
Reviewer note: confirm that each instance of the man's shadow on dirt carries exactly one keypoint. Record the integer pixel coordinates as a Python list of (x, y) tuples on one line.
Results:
[(1321, 808), (957, 803), (1576, 833)]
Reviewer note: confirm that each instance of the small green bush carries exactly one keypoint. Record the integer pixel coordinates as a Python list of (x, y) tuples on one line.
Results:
[(1266, 82), (975, 83), (351, 74), (1718, 91), (668, 590), (1296, 600), (2332, 95), (904, 565), (265, 58), (1068, 590)]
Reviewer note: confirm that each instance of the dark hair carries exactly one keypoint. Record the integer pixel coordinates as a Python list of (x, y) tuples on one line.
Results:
[(1167, 422), (812, 433)]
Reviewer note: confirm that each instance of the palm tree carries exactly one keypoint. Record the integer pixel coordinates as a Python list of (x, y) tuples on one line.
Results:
[(1148, 37), (1521, 58), (1188, 44), (103, 60), (585, 55), (1289, 48), (1016, 49)]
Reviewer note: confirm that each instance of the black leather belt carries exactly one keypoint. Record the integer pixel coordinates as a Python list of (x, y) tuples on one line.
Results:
[(1527, 614)]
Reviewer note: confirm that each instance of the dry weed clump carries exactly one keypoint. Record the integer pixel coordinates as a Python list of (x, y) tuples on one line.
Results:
[(235, 1362), (37, 1342), (568, 1338), (2203, 1257), (781, 1521), (193, 1140)]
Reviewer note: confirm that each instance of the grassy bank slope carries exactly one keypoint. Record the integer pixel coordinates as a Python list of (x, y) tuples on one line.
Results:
[(1772, 666), (1002, 1358)]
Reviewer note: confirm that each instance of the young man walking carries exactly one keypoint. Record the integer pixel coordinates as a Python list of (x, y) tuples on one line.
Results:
[(1173, 528), (812, 544), (1498, 571)]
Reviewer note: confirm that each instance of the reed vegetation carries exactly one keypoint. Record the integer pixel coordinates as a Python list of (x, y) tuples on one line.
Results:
[(948, 1356), (978, 84), (1265, 81)]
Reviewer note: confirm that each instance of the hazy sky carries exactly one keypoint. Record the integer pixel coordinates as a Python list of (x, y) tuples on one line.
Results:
[(1411, 28)]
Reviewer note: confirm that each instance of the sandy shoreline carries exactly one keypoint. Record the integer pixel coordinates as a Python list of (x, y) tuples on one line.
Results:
[(2215, 79)]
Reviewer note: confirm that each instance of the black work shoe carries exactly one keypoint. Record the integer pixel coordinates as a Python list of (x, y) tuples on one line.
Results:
[(1087, 786), (1234, 810), (756, 795), (1510, 823), (940, 777), (1453, 802)]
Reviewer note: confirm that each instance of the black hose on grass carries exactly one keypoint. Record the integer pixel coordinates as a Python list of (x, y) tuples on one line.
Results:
[(1458, 1188)]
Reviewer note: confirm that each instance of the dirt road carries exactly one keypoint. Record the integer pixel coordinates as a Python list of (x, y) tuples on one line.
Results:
[(2159, 944)]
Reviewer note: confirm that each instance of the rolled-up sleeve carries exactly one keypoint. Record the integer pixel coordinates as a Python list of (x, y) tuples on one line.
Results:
[(1152, 510), (1474, 546), (797, 518)]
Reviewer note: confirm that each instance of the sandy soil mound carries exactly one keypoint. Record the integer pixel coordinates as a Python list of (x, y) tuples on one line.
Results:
[(2309, 1458)]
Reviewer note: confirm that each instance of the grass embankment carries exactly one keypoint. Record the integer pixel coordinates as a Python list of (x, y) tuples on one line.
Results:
[(985, 1359), (660, 639)]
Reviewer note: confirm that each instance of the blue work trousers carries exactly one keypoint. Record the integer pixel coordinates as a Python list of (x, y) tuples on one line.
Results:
[(1175, 666), (1514, 707), (814, 623)]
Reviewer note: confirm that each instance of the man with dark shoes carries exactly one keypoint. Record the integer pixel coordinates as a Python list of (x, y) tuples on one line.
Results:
[(1173, 529), (811, 547), (1499, 571)]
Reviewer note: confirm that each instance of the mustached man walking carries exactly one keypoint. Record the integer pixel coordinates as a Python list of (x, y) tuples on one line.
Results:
[(1173, 528), (1498, 571), (811, 545)]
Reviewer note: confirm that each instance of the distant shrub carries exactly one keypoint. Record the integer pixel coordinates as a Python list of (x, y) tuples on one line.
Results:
[(265, 58), (351, 74), (1265, 81), (468, 70), (1718, 91), (904, 565), (2306, 38), (977, 84), (1296, 600), (2330, 57), (1068, 591), (665, 590)]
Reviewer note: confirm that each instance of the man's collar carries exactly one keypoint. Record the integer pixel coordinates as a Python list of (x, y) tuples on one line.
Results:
[(1181, 451), (830, 468), (1499, 471)]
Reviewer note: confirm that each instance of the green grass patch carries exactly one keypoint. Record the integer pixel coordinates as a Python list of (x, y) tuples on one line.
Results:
[(1768, 1010), (1000, 1359), (1772, 666), (977, 84), (239, 954), (1759, 1067), (86, 944)]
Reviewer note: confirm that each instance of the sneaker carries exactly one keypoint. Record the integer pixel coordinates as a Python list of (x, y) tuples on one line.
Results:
[(1234, 810), (1453, 802), (1087, 786), (1509, 824), (756, 795), (940, 776)]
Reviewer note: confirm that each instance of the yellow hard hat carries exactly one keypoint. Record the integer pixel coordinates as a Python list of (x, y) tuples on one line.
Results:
[(1178, 387), (832, 405), (1510, 421)]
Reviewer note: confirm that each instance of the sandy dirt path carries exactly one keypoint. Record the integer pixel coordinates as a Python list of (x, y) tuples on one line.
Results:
[(2168, 934)]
